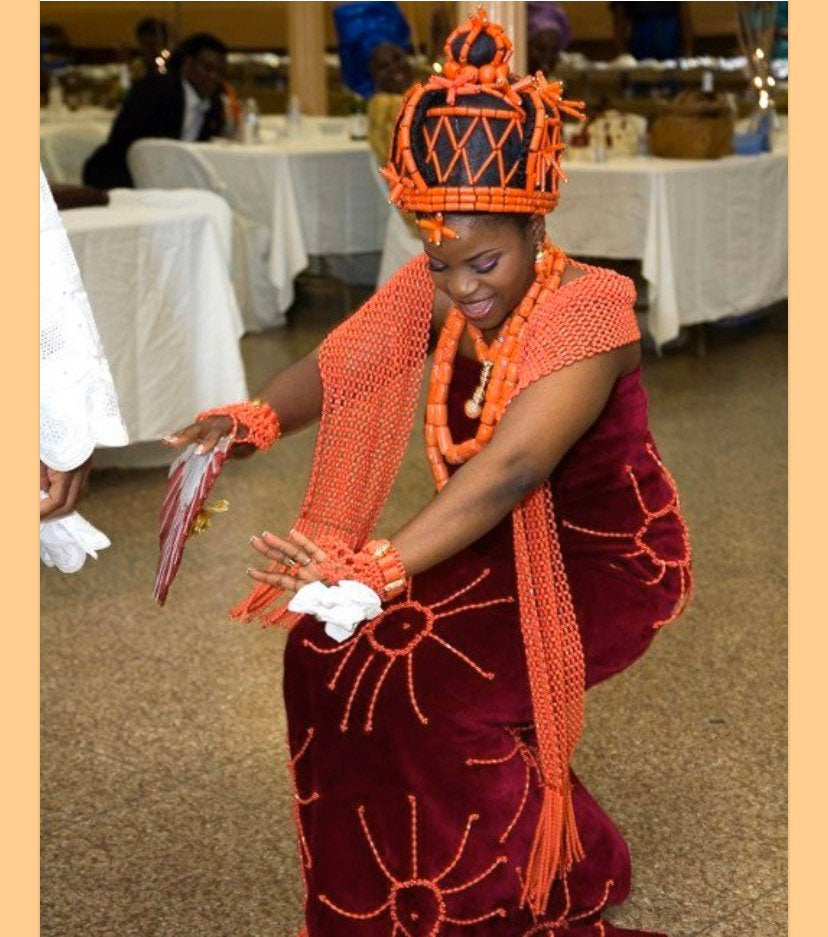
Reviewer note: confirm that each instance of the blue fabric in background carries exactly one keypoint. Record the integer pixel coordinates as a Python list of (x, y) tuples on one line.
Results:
[(361, 27), (780, 43)]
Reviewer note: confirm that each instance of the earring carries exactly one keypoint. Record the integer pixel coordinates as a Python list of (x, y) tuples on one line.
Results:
[(542, 258)]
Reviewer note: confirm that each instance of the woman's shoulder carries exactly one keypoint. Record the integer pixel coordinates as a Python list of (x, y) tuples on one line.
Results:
[(582, 283), (590, 313)]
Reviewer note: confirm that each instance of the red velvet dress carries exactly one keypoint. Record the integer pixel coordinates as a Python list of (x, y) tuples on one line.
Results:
[(412, 748)]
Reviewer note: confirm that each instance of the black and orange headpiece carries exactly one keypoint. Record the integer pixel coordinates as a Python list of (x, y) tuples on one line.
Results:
[(476, 138)]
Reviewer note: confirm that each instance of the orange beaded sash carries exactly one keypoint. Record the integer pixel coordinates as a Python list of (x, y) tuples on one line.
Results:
[(372, 369)]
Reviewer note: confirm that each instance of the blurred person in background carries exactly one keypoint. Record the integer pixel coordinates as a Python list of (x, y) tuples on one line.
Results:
[(780, 42), (392, 75), (363, 29), (55, 48), (373, 39), (652, 30), (549, 33), (152, 38), (183, 104)]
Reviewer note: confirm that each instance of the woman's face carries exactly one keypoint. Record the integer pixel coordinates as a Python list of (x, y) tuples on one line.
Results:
[(487, 270), (390, 69)]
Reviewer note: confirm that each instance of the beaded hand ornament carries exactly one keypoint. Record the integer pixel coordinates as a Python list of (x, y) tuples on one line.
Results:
[(260, 422), (377, 565)]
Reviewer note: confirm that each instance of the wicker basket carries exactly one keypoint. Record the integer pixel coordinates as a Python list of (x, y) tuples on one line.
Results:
[(692, 126)]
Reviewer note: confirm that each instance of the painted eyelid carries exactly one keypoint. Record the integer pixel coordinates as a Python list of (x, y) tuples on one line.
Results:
[(488, 267)]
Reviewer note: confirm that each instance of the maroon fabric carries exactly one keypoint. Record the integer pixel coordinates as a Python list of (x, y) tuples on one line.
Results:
[(412, 743)]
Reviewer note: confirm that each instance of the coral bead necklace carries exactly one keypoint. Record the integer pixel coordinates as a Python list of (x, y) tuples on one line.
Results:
[(499, 372)]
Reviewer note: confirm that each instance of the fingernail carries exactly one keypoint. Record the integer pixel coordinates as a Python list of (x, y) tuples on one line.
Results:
[(266, 533), (253, 537)]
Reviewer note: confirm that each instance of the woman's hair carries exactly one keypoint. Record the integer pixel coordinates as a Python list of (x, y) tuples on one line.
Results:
[(520, 220), (478, 145)]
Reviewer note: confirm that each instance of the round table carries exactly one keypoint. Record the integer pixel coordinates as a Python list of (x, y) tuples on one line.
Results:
[(155, 265), (711, 235)]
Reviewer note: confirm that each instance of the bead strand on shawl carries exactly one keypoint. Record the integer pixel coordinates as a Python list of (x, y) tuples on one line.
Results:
[(371, 368)]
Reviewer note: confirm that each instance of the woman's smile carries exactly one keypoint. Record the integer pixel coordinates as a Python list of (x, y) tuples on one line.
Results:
[(488, 267), (476, 310)]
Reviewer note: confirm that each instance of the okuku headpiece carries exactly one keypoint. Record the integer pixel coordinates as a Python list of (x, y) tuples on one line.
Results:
[(477, 138)]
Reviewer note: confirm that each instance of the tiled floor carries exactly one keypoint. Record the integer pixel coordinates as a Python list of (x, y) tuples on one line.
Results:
[(166, 807)]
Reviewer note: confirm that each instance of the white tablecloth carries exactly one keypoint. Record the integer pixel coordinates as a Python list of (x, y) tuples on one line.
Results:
[(259, 188), (313, 192), (711, 234), (341, 206), (156, 269), (66, 144), (83, 115)]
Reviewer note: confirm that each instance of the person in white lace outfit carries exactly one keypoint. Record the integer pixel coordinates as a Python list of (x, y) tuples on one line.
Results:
[(78, 404)]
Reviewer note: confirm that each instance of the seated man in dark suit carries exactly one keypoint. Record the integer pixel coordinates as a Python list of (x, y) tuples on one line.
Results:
[(184, 104)]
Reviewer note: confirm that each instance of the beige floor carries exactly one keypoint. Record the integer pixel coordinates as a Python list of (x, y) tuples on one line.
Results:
[(166, 808)]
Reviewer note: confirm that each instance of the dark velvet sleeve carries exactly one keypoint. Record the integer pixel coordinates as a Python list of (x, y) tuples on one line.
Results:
[(140, 116)]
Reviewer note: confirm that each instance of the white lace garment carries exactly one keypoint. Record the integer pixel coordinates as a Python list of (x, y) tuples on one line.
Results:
[(78, 404)]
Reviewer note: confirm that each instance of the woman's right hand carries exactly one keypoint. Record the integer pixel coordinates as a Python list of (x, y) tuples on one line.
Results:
[(207, 432)]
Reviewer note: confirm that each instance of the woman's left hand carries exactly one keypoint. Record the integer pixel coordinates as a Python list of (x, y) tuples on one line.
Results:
[(297, 551)]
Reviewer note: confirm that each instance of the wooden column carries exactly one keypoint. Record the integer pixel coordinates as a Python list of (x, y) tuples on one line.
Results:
[(512, 17), (306, 47)]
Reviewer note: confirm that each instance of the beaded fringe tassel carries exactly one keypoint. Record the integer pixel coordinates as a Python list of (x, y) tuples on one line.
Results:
[(556, 846)]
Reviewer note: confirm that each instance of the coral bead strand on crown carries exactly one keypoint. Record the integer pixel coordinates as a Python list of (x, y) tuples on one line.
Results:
[(500, 363)]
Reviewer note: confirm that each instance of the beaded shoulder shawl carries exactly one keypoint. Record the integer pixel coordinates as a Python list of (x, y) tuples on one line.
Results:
[(372, 369)]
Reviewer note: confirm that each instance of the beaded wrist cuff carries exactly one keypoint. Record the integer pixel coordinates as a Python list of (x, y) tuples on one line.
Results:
[(260, 421), (377, 565), (391, 566)]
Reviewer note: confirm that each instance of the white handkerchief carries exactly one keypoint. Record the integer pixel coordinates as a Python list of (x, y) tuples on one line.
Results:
[(66, 541), (341, 607)]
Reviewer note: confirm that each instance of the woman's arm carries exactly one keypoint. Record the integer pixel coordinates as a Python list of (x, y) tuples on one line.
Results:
[(295, 393), (536, 431)]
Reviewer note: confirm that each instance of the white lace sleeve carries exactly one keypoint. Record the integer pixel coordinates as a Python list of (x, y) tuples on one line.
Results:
[(78, 405)]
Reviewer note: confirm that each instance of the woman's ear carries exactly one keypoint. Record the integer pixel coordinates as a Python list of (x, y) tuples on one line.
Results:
[(537, 229)]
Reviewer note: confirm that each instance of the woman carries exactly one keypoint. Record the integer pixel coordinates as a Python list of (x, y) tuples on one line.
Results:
[(430, 738)]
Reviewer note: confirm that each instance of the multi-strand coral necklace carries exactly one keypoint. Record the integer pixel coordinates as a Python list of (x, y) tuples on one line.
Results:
[(498, 375)]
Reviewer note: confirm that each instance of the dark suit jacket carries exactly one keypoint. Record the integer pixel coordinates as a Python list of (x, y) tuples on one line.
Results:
[(152, 108)]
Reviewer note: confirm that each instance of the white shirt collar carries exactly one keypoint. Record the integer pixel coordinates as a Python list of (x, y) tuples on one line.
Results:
[(195, 109), (192, 99)]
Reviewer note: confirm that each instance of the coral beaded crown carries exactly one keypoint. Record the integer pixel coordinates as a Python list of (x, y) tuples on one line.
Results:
[(477, 138)]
